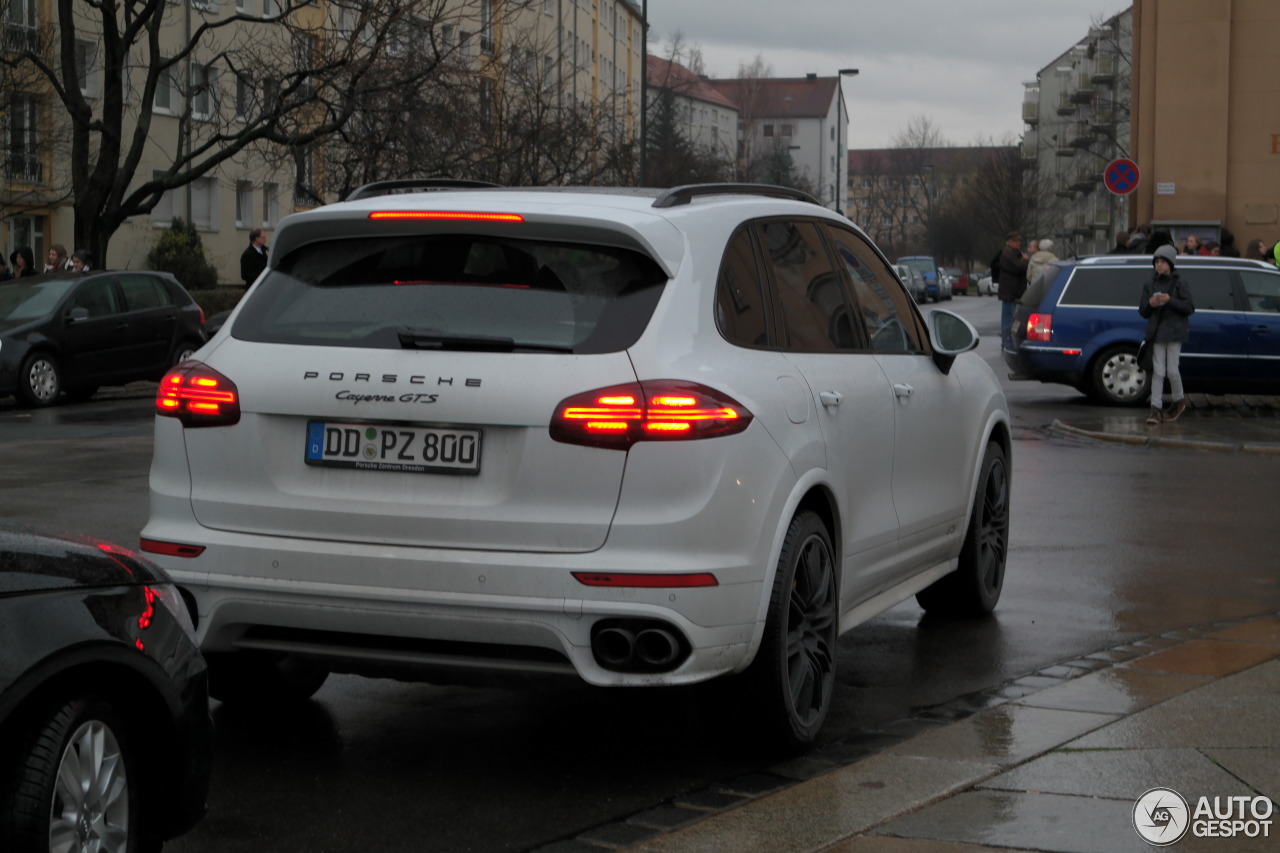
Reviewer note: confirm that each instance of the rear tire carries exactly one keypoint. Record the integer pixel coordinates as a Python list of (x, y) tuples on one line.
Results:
[(1116, 379), (261, 676), (40, 380), (72, 784), (182, 352), (973, 589), (793, 675)]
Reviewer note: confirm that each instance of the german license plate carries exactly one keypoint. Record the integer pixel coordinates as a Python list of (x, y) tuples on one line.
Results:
[(388, 447)]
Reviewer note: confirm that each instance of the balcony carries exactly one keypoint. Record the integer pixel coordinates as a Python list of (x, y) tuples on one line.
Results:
[(1062, 149), (24, 169), (1084, 179), (1083, 93), (1066, 104), (1103, 119), (20, 37), (1031, 112), (1104, 71), (1029, 149), (1084, 223), (1062, 189), (1080, 135), (1102, 218)]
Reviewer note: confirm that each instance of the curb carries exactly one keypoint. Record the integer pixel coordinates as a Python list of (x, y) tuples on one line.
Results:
[(1167, 442)]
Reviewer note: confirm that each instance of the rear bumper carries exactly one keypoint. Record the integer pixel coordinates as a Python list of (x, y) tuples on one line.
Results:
[(250, 594), (1045, 364)]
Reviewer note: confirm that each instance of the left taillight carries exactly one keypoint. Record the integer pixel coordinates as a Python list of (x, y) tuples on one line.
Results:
[(656, 410), (1040, 328), (198, 396)]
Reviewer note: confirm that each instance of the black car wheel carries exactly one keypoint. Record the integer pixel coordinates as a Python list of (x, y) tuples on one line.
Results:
[(260, 676), (183, 351), (40, 380), (973, 589), (73, 787), (1117, 379), (794, 671)]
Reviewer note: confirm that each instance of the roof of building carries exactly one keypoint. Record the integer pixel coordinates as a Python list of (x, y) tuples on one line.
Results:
[(664, 74), (783, 97)]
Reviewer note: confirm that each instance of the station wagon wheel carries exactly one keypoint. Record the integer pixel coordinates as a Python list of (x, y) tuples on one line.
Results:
[(974, 588), (183, 351), (1117, 379), (74, 786), (793, 674), (40, 381)]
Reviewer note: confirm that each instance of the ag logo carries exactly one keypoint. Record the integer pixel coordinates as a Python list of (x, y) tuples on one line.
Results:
[(1161, 816)]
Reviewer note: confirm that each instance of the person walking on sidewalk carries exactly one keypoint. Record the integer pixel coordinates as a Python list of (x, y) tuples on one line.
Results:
[(1012, 283), (1167, 306)]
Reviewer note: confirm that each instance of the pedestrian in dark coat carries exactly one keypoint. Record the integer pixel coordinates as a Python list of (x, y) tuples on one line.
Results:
[(1012, 283), (23, 261), (1167, 306), (254, 259)]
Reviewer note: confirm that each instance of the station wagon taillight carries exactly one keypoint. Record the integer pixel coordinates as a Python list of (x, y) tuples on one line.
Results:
[(656, 410), (198, 396), (1040, 327)]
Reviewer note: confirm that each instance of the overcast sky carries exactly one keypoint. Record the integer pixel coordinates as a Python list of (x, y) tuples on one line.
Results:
[(961, 63)]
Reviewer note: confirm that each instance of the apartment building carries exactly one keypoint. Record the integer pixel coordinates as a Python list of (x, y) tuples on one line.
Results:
[(707, 118), (582, 52), (804, 118), (1078, 118)]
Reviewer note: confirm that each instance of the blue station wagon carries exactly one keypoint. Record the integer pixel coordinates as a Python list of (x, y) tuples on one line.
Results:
[(1078, 325)]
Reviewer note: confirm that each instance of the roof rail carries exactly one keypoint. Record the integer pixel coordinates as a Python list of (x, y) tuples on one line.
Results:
[(383, 187), (684, 194)]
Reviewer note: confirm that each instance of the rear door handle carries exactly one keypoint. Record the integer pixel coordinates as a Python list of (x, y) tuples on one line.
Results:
[(830, 398), (903, 390)]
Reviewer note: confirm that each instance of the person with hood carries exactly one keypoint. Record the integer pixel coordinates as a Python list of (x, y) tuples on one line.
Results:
[(23, 261), (80, 260), (1229, 249), (1138, 240), (1011, 285), (1167, 306)]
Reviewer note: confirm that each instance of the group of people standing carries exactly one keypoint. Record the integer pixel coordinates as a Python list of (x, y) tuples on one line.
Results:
[(22, 262), (1144, 241)]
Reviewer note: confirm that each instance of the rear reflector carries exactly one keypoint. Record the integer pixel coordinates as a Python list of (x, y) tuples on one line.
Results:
[(170, 549), (654, 410), (198, 396), (1040, 327), (446, 215), (631, 579)]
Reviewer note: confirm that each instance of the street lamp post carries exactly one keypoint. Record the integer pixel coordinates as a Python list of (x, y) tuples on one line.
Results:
[(644, 89), (841, 154), (928, 200)]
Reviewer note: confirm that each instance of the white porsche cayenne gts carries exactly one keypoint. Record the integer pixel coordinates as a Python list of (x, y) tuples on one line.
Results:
[(645, 437)]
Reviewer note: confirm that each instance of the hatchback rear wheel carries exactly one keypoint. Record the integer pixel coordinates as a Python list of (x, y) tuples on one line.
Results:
[(793, 675), (40, 381)]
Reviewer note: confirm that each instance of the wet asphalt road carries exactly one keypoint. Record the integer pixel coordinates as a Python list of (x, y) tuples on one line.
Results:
[(1109, 544)]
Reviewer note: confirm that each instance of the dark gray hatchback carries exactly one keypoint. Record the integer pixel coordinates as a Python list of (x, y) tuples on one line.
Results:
[(73, 332)]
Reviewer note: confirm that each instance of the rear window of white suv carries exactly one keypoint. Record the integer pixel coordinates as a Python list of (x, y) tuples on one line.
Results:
[(455, 292)]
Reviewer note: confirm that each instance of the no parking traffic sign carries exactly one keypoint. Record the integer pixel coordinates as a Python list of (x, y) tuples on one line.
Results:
[(1121, 176)]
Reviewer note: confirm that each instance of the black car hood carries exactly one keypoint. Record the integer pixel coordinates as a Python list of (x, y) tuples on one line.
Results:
[(39, 561)]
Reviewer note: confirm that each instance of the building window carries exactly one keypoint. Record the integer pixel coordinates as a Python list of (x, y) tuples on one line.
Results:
[(303, 175), (204, 203), (86, 67), (768, 130), (244, 204), (244, 98), (162, 213), (20, 30), (866, 183), (486, 27), (167, 99), (23, 163), (886, 219), (833, 133), (203, 81), (786, 130), (270, 205)]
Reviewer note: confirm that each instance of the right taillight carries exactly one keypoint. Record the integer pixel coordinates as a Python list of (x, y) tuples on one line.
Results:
[(656, 410), (198, 396), (1040, 327)]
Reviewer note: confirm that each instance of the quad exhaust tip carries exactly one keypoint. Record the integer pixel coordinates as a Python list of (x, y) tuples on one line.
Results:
[(637, 645)]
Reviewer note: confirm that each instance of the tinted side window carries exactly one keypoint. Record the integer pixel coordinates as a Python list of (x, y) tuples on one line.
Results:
[(1210, 289), (1262, 289), (885, 307), (143, 291), (1121, 288), (98, 296), (815, 315), (740, 304)]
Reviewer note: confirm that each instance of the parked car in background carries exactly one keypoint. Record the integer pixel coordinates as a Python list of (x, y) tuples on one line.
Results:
[(927, 268), (1078, 325), (913, 281), (554, 443), (985, 286), (105, 734), (74, 332), (958, 278)]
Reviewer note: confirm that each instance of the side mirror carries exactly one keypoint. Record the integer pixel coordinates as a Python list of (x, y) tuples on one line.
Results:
[(950, 335), (77, 315)]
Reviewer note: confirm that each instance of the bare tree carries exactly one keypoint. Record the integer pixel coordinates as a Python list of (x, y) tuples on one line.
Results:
[(286, 80)]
